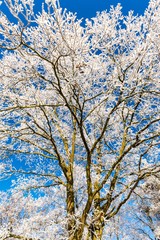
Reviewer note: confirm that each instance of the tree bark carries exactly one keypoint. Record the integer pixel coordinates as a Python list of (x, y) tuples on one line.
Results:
[(96, 228), (70, 209)]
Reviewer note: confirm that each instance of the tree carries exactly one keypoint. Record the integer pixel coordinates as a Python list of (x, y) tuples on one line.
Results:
[(79, 117)]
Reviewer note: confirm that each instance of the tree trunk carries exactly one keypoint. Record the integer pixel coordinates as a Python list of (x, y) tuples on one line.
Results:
[(70, 210), (97, 225), (96, 228)]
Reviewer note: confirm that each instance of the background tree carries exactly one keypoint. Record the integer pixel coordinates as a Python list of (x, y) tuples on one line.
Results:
[(139, 218), (148, 218), (79, 116)]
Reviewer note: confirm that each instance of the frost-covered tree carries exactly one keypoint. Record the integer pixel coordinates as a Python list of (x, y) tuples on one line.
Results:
[(147, 218), (140, 217), (79, 117)]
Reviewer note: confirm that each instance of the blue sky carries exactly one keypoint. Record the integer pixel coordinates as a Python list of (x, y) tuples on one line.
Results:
[(88, 8)]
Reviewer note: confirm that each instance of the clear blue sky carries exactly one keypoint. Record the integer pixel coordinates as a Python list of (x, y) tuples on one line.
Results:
[(88, 8)]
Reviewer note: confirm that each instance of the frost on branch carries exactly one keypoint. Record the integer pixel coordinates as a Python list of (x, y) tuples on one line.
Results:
[(79, 119)]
